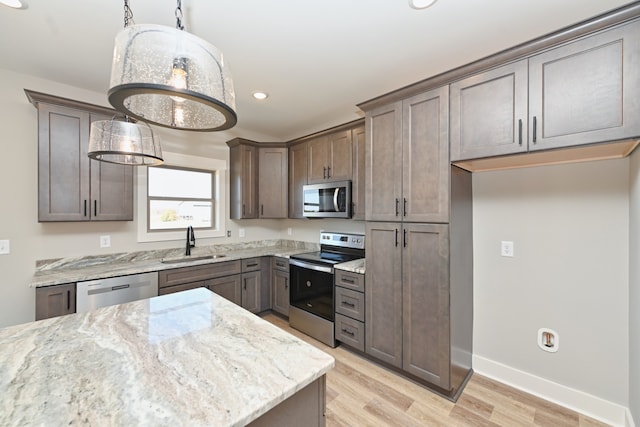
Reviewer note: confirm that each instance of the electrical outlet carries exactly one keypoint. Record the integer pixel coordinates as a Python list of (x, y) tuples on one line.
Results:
[(241, 232), (105, 241), (289, 231), (506, 248), (5, 247)]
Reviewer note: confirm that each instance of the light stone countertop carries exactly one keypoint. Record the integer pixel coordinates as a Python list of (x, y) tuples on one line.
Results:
[(355, 266), (76, 269), (188, 358)]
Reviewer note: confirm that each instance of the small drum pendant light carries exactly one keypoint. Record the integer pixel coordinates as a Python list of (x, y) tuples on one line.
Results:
[(123, 142), (171, 78)]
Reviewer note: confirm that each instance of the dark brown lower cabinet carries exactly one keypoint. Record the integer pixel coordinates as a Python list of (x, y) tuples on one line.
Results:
[(251, 286), (52, 301), (408, 306), (227, 287)]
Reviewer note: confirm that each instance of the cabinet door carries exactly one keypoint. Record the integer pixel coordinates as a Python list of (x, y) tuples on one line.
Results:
[(280, 295), (298, 171), (425, 295), (489, 113), (383, 296), (358, 144), (63, 165), (227, 287), (318, 160), (425, 160), (339, 166), (272, 182), (383, 185), (52, 301), (111, 188), (243, 186), (586, 91), (251, 291)]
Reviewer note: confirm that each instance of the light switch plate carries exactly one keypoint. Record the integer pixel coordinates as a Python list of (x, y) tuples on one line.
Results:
[(506, 248), (241, 232), (5, 247)]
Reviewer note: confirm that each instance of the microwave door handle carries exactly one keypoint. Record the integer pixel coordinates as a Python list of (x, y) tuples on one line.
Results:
[(335, 199)]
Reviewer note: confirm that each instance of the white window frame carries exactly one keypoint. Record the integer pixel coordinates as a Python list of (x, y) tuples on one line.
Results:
[(219, 167)]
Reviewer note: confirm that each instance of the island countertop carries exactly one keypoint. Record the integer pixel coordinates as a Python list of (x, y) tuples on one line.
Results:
[(188, 358)]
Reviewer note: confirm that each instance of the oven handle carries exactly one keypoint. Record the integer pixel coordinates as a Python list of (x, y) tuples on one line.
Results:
[(310, 266)]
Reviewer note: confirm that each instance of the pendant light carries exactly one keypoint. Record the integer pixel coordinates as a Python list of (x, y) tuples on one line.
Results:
[(121, 141), (169, 77)]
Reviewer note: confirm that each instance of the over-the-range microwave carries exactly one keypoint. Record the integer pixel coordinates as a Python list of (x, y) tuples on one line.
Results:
[(327, 200)]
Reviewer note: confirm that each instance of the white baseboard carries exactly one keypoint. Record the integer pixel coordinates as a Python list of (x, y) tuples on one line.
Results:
[(592, 406)]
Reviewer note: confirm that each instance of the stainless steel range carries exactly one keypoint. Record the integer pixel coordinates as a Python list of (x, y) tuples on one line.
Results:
[(311, 298)]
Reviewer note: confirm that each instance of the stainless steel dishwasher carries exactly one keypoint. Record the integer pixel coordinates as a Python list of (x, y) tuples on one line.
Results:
[(93, 294)]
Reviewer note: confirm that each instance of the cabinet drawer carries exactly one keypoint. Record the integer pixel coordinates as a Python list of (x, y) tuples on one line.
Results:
[(279, 263), (349, 280), (350, 332), (179, 276), (350, 303), (179, 288), (250, 264)]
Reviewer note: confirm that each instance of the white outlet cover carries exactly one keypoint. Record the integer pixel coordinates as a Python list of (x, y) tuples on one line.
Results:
[(105, 241), (241, 232), (5, 247)]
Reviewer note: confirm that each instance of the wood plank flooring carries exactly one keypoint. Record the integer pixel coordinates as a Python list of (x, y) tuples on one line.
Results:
[(361, 393)]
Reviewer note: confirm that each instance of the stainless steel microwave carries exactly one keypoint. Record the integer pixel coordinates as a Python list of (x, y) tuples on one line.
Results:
[(327, 200)]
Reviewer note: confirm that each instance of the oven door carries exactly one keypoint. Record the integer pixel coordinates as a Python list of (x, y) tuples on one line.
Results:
[(312, 288)]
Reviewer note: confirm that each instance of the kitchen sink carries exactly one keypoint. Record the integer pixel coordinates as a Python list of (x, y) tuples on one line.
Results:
[(190, 258)]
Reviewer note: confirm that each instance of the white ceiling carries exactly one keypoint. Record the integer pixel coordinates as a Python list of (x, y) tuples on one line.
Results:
[(316, 58)]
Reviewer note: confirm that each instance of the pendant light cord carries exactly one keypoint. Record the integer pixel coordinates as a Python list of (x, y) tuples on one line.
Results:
[(179, 16), (128, 14)]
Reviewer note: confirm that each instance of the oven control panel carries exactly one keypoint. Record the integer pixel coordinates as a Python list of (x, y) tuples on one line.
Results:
[(345, 240)]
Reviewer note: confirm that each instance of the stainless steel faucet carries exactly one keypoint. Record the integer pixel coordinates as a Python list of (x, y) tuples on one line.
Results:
[(191, 240)]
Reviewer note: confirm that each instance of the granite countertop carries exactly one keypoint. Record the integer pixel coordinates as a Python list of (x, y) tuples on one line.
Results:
[(355, 266), (188, 358), (76, 269)]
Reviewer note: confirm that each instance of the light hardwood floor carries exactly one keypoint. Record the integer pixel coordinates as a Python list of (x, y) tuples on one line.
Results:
[(361, 393)]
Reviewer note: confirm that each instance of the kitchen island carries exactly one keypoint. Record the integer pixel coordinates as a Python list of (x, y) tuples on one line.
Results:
[(188, 358)]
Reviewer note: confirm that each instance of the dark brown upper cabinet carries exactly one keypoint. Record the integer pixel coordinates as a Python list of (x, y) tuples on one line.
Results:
[(72, 187)]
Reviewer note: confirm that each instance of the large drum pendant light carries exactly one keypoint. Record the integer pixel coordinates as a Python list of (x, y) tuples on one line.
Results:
[(169, 77)]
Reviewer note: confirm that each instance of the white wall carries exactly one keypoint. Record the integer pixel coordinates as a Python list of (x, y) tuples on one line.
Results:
[(634, 287), (570, 272)]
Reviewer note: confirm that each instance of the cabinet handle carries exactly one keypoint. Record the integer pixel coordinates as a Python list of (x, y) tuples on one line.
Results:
[(85, 207), (535, 129), (95, 207), (346, 331), (520, 132), (345, 280), (404, 238), (324, 172), (251, 265), (397, 204), (396, 237), (245, 284), (404, 207), (261, 210), (328, 171), (68, 300), (348, 304)]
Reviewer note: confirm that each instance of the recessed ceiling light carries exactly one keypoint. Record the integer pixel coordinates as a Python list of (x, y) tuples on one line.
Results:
[(260, 95), (16, 4), (421, 4)]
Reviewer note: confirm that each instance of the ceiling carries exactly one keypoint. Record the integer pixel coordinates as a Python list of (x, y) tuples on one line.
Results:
[(317, 59)]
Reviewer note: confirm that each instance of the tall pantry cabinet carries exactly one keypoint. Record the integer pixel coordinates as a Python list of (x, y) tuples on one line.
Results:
[(418, 295)]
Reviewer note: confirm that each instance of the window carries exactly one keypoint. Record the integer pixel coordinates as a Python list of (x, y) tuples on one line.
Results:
[(178, 198), (166, 206)]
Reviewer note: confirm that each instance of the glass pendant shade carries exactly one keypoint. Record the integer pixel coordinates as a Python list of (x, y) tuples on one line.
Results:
[(171, 78), (126, 143)]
